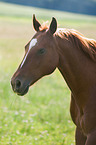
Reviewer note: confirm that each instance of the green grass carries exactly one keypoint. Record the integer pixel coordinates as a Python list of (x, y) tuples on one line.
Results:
[(42, 116)]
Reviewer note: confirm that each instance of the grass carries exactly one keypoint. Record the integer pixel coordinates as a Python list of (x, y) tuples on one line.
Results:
[(42, 116)]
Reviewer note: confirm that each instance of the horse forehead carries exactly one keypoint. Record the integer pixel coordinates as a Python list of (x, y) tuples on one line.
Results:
[(32, 43)]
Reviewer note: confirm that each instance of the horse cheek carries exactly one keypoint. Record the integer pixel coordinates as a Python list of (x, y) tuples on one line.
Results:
[(53, 63)]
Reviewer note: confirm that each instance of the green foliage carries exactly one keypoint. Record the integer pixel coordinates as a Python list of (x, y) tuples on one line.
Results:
[(42, 116)]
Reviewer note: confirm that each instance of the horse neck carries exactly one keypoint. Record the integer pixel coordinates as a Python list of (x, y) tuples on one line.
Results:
[(73, 65)]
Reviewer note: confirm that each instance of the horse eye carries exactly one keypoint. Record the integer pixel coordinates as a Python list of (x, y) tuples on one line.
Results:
[(41, 51)]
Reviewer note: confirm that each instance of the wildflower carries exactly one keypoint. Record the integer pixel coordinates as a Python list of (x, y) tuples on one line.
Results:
[(36, 138), (16, 113), (18, 132), (26, 121), (6, 125)]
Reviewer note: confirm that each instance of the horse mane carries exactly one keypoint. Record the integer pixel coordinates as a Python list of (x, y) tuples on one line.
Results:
[(79, 41), (44, 26)]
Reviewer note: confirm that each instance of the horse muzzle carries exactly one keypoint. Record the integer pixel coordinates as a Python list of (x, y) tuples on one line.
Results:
[(19, 86)]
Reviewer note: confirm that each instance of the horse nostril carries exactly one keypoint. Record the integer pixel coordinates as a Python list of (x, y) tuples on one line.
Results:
[(18, 84)]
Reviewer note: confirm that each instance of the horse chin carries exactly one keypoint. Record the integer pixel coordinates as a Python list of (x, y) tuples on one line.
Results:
[(23, 92)]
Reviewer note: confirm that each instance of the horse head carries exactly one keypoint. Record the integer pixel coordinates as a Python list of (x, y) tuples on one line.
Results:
[(40, 59)]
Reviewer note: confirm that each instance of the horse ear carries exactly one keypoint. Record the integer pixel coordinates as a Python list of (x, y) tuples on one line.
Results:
[(36, 24), (53, 26)]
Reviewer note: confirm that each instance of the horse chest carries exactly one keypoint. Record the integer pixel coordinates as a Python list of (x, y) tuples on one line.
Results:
[(76, 114), (85, 121), (77, 117)]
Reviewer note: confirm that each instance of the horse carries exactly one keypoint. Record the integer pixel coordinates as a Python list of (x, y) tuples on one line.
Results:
[(75, 57)]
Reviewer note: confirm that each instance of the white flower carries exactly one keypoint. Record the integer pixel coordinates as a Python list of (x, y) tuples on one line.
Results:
[(36, 138), (16, 113), (25, 121), (17, 132), (6, 125)]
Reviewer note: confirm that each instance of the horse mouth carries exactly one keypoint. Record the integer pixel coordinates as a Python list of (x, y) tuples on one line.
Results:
[(21, 87), (22, 93)]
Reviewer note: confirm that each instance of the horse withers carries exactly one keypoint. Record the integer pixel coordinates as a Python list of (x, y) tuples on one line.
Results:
[(75, 56)]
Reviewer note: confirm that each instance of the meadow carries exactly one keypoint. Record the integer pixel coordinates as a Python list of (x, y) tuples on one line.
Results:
[(42, 116)]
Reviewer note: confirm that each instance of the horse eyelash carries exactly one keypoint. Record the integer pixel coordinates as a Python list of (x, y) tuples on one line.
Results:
[(41, 51)]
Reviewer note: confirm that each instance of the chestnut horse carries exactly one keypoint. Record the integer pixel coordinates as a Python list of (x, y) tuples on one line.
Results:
[(75, 56)]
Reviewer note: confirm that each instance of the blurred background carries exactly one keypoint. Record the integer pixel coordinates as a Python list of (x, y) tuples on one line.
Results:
[(82, 6), (42, 116)]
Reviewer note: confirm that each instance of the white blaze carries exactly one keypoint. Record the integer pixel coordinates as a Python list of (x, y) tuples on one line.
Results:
[(32, 44)]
